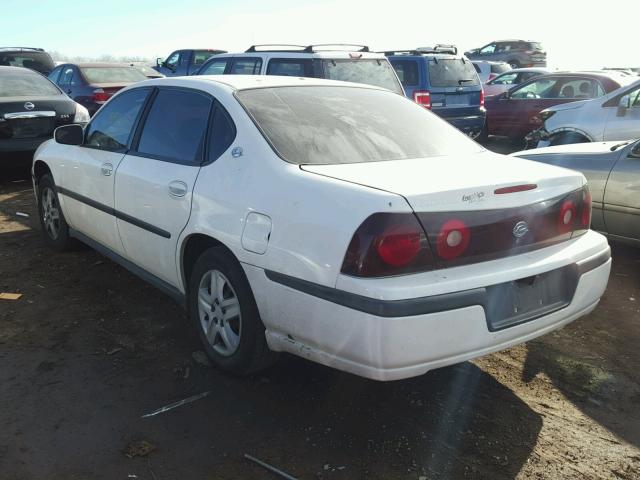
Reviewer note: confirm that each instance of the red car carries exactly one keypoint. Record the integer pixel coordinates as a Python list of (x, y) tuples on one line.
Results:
[(515, 113)]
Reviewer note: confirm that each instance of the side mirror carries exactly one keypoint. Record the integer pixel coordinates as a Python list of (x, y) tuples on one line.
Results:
[(505, 95), (69, 135), (623, 105), (159, 62)]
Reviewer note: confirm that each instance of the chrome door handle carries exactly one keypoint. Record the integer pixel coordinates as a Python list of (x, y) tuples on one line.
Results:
[(178, 188), (106, 169)]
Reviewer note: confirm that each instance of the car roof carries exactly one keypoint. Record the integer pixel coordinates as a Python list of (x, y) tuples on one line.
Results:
[(21, 49), (246, 82)]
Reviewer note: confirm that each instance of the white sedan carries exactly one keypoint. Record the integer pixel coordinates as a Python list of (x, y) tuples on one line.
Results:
[(339, 222)]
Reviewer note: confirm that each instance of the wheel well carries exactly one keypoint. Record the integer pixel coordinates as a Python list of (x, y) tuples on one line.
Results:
[(570, 131), (39, 169), (193, 247)]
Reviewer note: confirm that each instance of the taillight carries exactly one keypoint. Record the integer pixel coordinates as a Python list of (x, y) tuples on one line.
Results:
[(453, 239), (482, 97), (100, 96), (566, 217), (388, 244), (422, 97)]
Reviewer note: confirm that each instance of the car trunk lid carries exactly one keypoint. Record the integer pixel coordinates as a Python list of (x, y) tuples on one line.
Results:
[(34, 117)]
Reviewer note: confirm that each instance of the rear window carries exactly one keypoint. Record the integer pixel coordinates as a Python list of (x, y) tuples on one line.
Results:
[(378, 72), (407, 71), (536, 46), (498, 68), (38, 61), (112, 74), (332, 125), (452, 72), (26, 84)]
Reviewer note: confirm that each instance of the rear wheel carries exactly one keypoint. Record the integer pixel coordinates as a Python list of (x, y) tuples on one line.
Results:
[(224, 312), (514, 63), (567, 138), (54, 226)]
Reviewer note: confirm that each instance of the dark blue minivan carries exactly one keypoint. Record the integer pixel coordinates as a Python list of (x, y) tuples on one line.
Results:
[(443, 81)]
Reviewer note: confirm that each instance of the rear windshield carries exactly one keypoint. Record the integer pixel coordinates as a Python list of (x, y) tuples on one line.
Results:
[(536, 46), (112, 74), (378, 72), (452, 72), (38, 61), (332, 125), (27, 84), (500, 67)]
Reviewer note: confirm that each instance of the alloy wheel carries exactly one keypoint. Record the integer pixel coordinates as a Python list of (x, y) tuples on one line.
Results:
[(50, 213)]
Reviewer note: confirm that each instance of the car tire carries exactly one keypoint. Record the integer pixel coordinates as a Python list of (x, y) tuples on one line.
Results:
[(223, 310), (54, 226), (483, 136), (514, 63), (567, 138)]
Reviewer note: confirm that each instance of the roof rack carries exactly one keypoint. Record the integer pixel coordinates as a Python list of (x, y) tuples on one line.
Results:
[(439, 48), (269, 47), (4, 49), (402, 52)]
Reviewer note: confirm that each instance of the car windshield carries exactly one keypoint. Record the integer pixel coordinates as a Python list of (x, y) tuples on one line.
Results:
[(26, 84), (332, 125), (378, 72), (452, 72), (112, 74), (38, 61)]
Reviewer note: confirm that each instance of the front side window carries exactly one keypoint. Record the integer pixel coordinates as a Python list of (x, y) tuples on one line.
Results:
[(173, 60), (332, 125), (378, 72), (290, 67), (506, 79), (634, 98), (112, 74), (488, 49), (246, 66), (26, 84), (542, 88), (452, 72), (407, 71), (112, 126), (66, 78), (175, 127), (215, 67)]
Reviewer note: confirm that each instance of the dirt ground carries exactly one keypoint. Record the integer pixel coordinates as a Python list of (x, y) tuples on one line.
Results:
[(89, 348)]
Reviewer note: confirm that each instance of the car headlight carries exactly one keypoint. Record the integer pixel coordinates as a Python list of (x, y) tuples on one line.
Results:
[(546, 114), (82, 115)]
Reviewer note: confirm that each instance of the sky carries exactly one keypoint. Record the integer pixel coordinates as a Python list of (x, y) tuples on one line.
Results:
[(575, 34)]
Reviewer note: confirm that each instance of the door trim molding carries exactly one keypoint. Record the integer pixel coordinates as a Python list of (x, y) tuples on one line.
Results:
[(112, 211)]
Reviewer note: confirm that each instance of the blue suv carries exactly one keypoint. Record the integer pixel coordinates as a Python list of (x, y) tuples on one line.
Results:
[(443, 81)]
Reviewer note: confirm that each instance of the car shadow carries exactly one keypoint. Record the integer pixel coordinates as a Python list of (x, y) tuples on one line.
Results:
[(594, 361)]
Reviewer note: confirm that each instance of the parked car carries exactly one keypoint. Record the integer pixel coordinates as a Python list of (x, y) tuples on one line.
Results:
[(340, 222), (147, 70), (517, 53), (444, 82), (615, 116), (34, 58), (613, 172), (510, 79), (515, 113), (487, 71), (92, 84), (185, 62), (31, 107), (336, 62)]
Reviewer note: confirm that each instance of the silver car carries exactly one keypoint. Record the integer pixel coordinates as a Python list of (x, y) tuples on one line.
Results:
[(613, 172), (615, 116)]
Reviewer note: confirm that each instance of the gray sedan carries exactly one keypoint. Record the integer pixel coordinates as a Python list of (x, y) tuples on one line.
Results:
[(613, 172)]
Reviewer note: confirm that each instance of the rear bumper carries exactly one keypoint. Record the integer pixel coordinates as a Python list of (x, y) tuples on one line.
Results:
[(21, 144), (379, 340), (470, 124)]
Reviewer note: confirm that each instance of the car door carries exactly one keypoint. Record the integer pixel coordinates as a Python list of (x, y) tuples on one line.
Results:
[(621, 199), (87, 179), (154, 182), (623, 122), (170, 65), (246, 66)]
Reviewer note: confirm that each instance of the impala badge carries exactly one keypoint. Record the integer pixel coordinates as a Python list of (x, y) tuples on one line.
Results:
[(29, 106), (520, 229)]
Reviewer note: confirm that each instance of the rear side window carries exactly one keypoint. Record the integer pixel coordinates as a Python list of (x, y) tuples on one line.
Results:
[(290, 67), (452, 72), (378, 72), (498, 68), (407, 71), (111, 128), (175, 127), (223, 132), (215, 67), (246, 66)]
